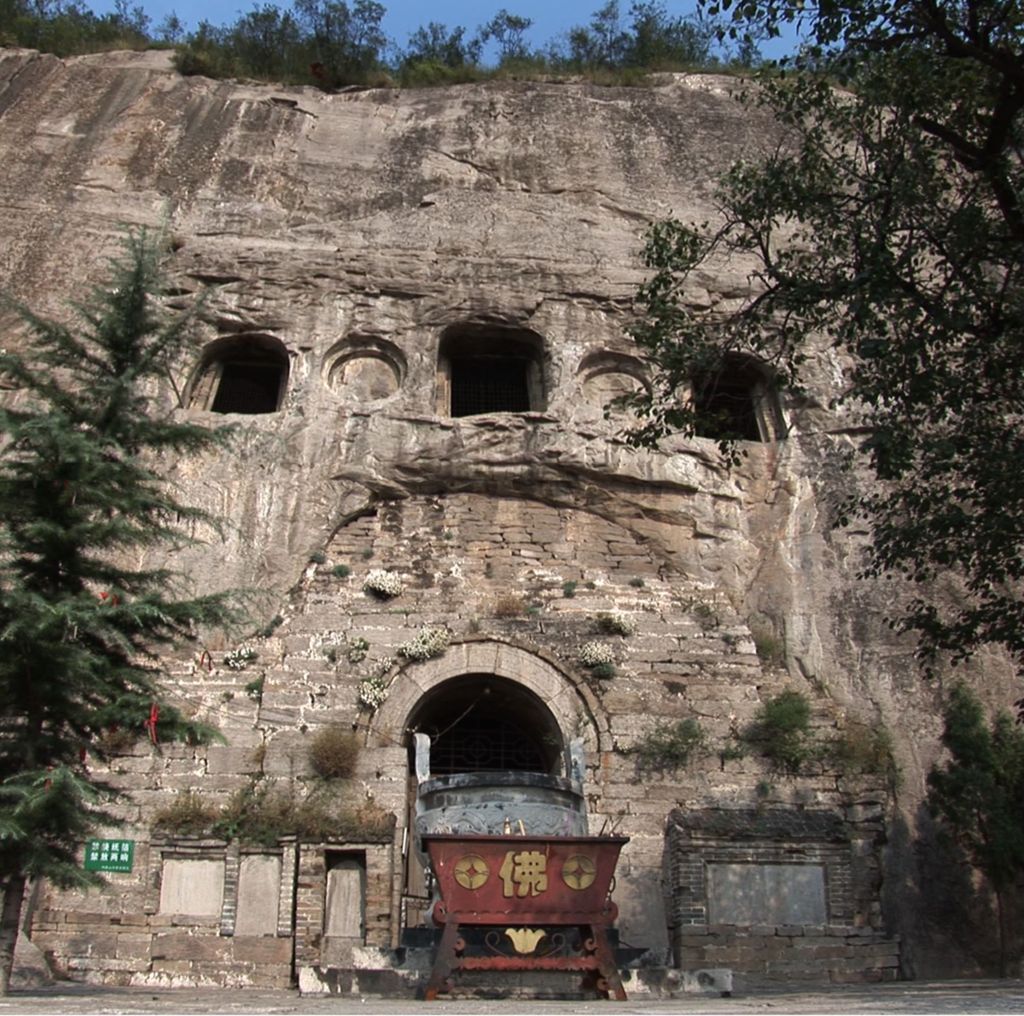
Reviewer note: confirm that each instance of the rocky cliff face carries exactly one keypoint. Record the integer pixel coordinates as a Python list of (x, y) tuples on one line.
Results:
[(347, 238)]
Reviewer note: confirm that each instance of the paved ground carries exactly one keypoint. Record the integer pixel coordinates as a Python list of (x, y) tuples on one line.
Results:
[(907, 997)]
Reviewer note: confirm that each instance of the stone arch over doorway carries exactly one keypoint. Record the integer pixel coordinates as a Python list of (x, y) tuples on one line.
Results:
[(534, 690), (573, 707)]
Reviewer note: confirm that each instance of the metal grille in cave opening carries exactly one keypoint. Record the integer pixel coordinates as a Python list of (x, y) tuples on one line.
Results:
[(482, 723), (247, 387), (491, 384)]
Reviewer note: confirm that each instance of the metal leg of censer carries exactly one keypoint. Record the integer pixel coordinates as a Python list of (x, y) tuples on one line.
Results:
[(609, 982), (445, 961)]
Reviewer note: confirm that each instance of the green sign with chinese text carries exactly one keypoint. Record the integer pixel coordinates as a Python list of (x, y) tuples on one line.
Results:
[(109, 855)]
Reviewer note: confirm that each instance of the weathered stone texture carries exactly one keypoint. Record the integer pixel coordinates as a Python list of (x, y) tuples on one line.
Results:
[(353, 229)]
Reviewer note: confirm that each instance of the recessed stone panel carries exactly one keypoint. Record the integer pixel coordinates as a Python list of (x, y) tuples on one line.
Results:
[(365, 369), (346, 893), (602, 386), (606, 376), (365, 378), (748, 894), (192, 886), (259, 883)]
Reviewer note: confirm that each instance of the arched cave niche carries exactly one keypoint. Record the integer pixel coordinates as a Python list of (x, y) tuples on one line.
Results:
[(484, 368), (365, 369), (739, 401), (241, 374), (483, 723), (605, 376)]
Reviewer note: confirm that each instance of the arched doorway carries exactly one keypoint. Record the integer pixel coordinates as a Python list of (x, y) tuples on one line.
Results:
[(476, 723), (485, 723), (513, 690)]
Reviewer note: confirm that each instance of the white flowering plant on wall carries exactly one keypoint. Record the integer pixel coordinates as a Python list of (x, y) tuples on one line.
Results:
[(373, 691), (598, 658), (384, 584), (592, 654), (240, 658), (428, 643)]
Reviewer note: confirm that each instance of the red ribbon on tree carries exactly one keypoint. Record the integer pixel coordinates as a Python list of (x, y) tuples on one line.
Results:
[(150, 724)]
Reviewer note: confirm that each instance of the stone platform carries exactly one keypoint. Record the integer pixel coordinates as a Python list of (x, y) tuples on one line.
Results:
[(904, 997)]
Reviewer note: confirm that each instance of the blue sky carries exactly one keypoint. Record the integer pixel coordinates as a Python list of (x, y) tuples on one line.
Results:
[(405, 16)]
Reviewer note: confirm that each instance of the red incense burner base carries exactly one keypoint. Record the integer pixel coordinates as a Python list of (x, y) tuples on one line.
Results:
[(522, 903)]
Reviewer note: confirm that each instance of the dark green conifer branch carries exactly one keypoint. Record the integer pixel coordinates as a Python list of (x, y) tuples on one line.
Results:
[(81, 628)]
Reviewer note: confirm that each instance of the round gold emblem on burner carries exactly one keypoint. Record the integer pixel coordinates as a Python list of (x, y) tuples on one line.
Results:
[(471, 871), (579, 871)]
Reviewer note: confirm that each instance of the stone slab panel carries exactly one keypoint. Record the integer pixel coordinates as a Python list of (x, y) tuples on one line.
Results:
[(747, 894), (259, 890), (192, 886)]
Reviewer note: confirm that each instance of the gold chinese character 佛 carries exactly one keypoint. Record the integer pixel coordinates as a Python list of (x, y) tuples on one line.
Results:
[(524, 873)]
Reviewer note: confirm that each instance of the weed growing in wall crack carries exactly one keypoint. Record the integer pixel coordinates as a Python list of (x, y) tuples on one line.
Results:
[(615, 624), (357, 650), (781, 732), (189, 814), (769, 648), (669, 746), (333, 752), (864, 748), (509, 605), (271, 626)]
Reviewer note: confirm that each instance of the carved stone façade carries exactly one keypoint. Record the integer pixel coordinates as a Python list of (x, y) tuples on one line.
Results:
[(359, 251)]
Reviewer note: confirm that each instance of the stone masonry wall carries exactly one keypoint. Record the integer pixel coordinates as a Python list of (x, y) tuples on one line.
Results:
[(782, 955)]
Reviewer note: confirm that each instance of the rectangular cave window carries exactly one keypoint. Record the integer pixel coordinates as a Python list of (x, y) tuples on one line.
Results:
[(489, 384), (730, 411), (246, 387)]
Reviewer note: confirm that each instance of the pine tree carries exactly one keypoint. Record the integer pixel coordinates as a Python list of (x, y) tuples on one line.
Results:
[(81, 628), (979, 796)]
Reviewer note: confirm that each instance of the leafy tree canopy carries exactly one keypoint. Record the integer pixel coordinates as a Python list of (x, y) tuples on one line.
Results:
[(654, 39), (890, 221), (508, 31), (336, 43), (978, 794), (66, 27), (81, 496), (436, 43)]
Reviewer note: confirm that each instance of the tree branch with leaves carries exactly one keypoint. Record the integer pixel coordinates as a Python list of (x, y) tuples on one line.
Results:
[(888, 220)]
